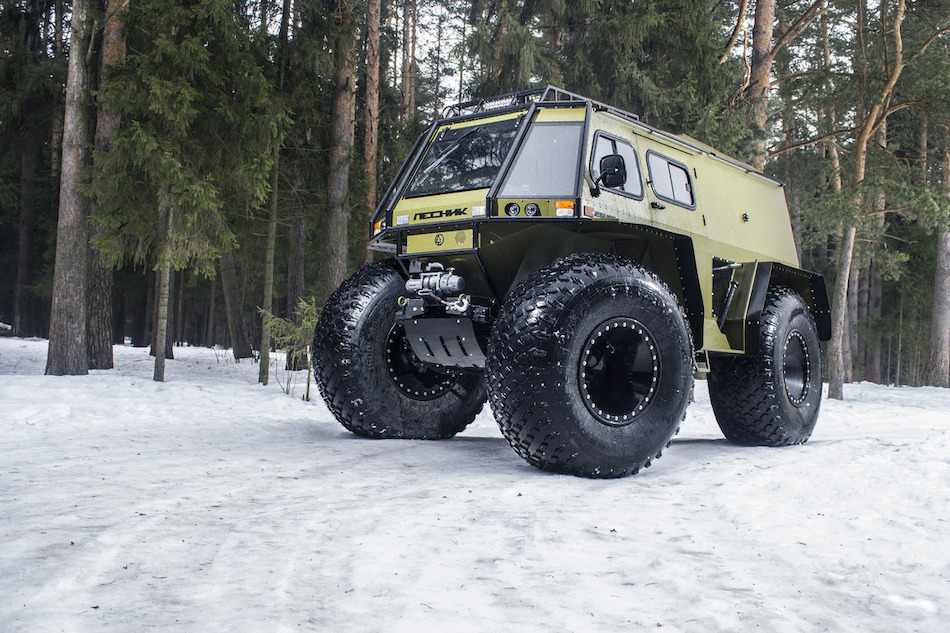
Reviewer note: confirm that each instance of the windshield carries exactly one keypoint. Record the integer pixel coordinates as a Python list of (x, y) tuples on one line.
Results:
[(463, 159)]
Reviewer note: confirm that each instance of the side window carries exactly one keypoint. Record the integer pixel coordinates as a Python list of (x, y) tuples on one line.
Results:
[(670, 180), (605, 145)]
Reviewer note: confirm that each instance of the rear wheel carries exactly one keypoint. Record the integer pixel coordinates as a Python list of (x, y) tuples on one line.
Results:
[(589, 367), (369, 376), (771, 397)]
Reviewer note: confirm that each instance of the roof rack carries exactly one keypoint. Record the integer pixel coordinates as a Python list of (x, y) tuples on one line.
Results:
[(514, 99)]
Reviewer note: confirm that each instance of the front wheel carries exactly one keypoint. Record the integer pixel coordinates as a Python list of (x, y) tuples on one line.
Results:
[(771, 397), (369, 376), (589, 367)]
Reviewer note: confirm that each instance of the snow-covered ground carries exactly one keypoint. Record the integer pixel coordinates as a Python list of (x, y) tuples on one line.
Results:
[(210, 503)]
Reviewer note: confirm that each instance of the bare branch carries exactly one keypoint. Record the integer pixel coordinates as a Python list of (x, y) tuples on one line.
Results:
[(931, 40), (812, 141), (739, 28), (802, 23)]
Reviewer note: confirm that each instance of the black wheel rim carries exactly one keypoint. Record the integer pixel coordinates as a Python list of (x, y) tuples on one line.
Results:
[(618, 371), (412, 377), (796, 368)]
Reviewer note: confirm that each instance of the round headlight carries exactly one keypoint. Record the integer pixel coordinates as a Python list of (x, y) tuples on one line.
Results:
[(531, 209), (512, 209)]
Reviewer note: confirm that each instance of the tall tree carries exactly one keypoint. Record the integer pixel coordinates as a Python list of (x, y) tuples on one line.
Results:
[(764, 50), (938, 368), (371, 117), (342, 121), (67, 336), (266, 306), (99, 331)]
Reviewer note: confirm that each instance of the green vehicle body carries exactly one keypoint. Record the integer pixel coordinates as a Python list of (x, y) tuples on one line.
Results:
[(716, 231)]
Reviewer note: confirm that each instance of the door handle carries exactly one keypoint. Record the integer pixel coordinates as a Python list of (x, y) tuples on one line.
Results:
[(657, 205)]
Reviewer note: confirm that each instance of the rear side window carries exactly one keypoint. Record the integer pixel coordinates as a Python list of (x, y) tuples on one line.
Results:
[(670, 180), (604, 145)]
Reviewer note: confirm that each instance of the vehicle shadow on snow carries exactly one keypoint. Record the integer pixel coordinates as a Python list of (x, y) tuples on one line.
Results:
[(480, 452)]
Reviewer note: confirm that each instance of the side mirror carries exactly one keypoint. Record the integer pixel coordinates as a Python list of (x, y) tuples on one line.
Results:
[(613, 171)]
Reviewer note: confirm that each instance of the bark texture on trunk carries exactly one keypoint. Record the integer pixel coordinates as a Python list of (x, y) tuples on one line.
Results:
[(67, 331), (295, 281), (371, 124), (839, 315), (341, 149), (100, 298), (938, 367), (166, 214), (760, 74)]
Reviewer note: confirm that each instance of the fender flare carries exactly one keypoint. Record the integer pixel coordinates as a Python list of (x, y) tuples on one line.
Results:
[(809, 285)]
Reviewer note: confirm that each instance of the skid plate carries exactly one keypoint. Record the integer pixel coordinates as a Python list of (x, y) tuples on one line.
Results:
[(449, 342)]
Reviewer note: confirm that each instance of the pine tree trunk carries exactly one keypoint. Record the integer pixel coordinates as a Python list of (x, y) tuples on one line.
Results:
[(406, 45), (864, 293), (100, 306), (169, 321), (234, 309), (760, 76), (873, 341), (437, 84), (22, 319), (341, 148), (56, 136), (413, 66), (854, 284), (789, 123), (167, 215), (371, 122), (938, 366), (900, 344), (67, 334), (100, 299), (209, 317), (179, 312), (295, 281), (263, 375), (839, 315)]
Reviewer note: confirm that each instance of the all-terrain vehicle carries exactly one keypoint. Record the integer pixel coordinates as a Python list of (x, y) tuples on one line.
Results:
[(577, 268)]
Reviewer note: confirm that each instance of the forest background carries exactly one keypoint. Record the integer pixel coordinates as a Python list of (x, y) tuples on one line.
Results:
[(169, 170)]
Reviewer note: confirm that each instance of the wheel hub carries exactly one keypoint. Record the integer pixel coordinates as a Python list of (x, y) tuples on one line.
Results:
[(412, 377), (796, 368), (619, 370)]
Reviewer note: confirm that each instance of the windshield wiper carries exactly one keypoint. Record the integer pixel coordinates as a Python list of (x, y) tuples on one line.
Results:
[(454, 146)]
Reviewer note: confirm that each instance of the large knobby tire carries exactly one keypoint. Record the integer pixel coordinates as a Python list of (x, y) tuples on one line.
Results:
[(590, 367), (368, 375), (772, 397)]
